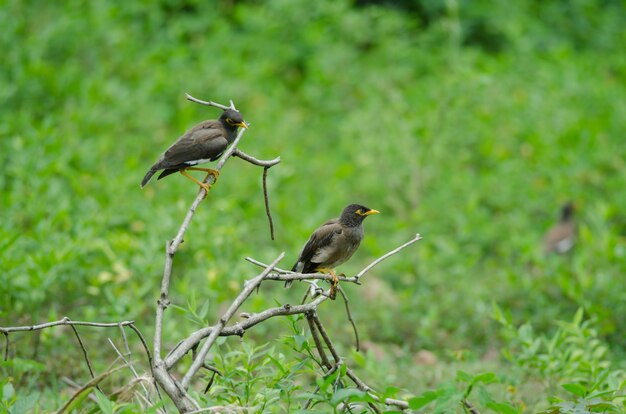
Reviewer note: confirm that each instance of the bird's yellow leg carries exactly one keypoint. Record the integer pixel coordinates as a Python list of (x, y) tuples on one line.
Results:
[(206, 186), (209, 171), (333, 283)]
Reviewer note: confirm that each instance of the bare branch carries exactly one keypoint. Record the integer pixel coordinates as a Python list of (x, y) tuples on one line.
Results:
[(64, 321), (347, 303), (260, 163), (150, 362), (6, 346), (391, 253), (130, 366), (211, 103), (267, 203), (171, 248), (82, 346), (326, 338), (247, 290), (285, 275), (318, 344), (239, 328)]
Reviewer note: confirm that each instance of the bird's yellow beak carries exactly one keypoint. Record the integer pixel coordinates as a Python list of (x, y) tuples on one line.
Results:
[(371, 212), (242, 124)]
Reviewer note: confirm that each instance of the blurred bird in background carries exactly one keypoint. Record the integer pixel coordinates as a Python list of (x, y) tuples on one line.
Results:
[(560, 238)]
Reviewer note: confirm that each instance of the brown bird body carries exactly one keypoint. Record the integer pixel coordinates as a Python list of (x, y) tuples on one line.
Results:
[(560, 238), (203, 143), (333, 243)]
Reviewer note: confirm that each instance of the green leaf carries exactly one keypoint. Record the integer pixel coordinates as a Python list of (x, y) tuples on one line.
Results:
[(426, 398), (347, 394), (485, 377), (575, 389), (300, 341), (82, 396), (106, 405), (8, 391), (25, 404), (463, 376), (502, 408), (204, 310), (602, 407)]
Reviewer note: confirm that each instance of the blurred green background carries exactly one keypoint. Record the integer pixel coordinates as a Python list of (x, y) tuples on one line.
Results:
[(469, 122)]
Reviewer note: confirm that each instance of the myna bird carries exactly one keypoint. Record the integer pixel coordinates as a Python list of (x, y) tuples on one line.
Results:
[(333, 243), (560, 237), (203, 143)]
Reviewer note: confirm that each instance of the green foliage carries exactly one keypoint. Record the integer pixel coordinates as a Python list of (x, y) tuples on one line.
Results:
[(573, 357), (468, 122)]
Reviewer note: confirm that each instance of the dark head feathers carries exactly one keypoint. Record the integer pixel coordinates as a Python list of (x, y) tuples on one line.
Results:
[(567, 211), (233, 115), (354, 214)]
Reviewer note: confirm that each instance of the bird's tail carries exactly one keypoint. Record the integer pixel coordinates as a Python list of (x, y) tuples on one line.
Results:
[(296, 268), (148, 176)]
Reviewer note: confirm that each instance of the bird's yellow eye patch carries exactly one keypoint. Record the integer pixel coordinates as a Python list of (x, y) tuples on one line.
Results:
[(359, 212)]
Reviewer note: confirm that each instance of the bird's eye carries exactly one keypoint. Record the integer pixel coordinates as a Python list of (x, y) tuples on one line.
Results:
[(359, 212), (229, 121)]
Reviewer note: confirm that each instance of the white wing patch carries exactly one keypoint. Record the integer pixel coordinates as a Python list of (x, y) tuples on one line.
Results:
[(563, 246)]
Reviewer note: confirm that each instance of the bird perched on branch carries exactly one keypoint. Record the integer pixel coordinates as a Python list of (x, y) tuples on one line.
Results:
[(560, 237), (205, 142), (333, 243)]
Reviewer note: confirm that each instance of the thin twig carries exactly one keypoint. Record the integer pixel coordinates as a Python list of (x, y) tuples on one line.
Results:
[(211, 103), (264, 265), (326, 375), (325, 337), (470, 407), (130, 366), (147, 350), (347, 303), (255, 161), (6, 346), (247, 290), (64, 321), (77, 386), (125, 339), (208, 385), (93, 383), (318, 344), (267, 203), (82, 346), (391, 253)]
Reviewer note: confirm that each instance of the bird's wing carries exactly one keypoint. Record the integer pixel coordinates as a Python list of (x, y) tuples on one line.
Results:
[(204, 142), (320, 240)]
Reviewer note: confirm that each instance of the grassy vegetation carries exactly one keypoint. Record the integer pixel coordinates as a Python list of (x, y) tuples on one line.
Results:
[(468, 123)]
